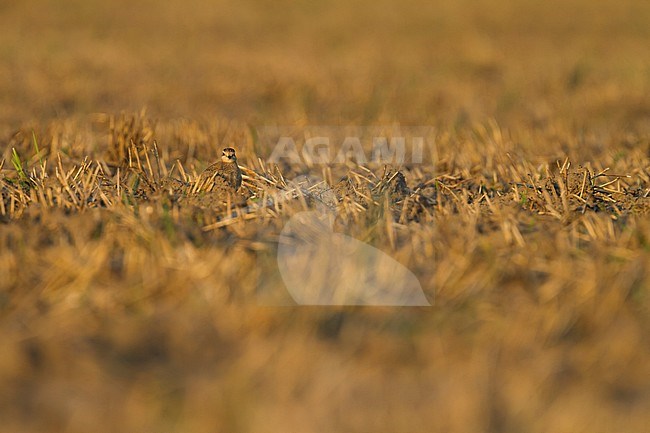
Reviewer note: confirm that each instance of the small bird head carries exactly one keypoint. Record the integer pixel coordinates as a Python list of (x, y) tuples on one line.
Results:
[(228, 155)]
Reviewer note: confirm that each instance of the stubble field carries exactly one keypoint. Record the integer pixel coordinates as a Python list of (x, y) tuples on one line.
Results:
[(130, 302)]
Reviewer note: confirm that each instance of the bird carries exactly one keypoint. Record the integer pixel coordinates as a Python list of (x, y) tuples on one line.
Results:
[(223, 175)]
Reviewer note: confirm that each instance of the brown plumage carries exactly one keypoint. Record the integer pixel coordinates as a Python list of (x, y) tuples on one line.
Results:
[(223, 175)]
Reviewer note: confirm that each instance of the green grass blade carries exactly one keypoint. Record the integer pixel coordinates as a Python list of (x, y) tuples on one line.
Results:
[(18, 165), (38, 152)]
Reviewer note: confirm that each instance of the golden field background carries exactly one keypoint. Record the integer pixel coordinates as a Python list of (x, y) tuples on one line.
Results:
[(119, 312)]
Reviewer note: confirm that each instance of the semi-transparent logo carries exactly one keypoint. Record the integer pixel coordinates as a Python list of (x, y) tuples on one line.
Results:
[(337, 145), (316, 264)]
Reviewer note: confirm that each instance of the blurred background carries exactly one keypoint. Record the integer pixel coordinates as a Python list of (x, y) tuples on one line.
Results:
[(416, 62)]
